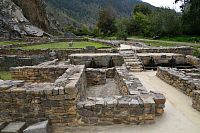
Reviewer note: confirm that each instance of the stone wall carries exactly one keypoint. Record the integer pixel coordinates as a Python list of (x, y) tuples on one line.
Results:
[(100, 59), (196, 100), (162, 58), (60, 54), (178, 79), (193, 60), (95, 76), (40, 101), (138, 109), (98, 76), (134, 105), (185, 50), (13, 61), (37, 74)]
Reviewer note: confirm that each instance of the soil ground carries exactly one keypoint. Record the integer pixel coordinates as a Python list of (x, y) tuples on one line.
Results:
[(108, 89), (179, 116)]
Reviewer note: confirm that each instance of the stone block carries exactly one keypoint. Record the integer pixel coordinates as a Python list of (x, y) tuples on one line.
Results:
[(40, 127), (14, 127)]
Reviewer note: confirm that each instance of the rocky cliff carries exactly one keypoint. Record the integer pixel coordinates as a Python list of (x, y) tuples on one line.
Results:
[(24, 18)]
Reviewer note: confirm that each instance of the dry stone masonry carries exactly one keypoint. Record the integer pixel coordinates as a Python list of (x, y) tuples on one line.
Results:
[(56, 91), (134, 104), (188, 81)]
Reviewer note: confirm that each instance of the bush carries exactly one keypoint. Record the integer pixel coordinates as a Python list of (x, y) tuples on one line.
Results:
[(196, 52)]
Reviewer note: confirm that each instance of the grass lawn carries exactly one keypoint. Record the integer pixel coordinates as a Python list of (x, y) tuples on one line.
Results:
[(183, 38), (64, 45), (10, 42), (5, 75), (158, 44)]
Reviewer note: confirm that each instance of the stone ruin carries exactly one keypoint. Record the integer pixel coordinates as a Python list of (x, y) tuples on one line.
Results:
[(67, 94), (93, 87)]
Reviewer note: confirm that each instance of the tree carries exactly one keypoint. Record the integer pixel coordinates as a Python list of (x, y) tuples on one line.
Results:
[(165, 21), (141, 8), (191, 16), (121, 29), (106, 22)]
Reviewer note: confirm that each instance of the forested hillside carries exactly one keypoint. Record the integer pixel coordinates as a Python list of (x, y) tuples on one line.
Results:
[(80, 12)]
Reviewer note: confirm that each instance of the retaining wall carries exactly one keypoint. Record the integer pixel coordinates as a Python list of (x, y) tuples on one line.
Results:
[(185, 50), (100, 59), (178, 79), (36, 102)]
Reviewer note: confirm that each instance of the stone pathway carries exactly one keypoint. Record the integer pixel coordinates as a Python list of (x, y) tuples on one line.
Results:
[(179, 116)]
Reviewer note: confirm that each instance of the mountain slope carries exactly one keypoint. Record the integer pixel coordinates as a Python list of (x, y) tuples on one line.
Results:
[(86, 11)]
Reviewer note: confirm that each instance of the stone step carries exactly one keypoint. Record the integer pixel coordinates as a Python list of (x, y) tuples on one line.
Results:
[(136, 67), (133, 63), (131, 60), (136, 70), (14, 127)]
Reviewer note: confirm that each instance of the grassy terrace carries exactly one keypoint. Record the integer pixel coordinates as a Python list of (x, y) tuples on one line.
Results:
[(10, 42), (5, 75), (65, 45)]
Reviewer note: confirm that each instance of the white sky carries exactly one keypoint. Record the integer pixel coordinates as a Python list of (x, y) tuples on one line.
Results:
[(164, 3)]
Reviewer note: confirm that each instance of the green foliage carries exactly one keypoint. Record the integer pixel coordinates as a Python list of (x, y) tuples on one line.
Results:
[(121, 30), (143, 23), (141, 8), (106, 22), (191, 18), (197, 51), (87, 11), (165, 21), (182, 38), (5, 75)]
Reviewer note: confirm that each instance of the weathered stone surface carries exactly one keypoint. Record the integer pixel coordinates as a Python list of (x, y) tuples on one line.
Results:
[(2, 125), (14, 127), (40, 127)]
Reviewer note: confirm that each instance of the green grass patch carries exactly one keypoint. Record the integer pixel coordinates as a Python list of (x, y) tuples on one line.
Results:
[(5, 75), (10, 42), (183, 38), (65, 45), (158, 44)]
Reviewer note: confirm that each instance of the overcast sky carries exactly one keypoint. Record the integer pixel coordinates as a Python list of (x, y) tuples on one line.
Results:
[(164, 3)]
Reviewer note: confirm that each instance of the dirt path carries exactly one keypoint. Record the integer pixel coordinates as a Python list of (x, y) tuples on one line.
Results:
[(179, 116)]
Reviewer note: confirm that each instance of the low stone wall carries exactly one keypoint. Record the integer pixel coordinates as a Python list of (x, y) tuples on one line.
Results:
[(196, 100), (112, 43), (136, 109), (127, 83), (193, 60), (98, 76), (60, 54), (95, 76), (162, 58), (100, 59), (178, 79), (134, 105), (37, 74), (185, 50), (36, 102), (13, 61)]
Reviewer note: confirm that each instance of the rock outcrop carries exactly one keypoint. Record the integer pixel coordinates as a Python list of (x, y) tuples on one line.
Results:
[(23, 18)]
